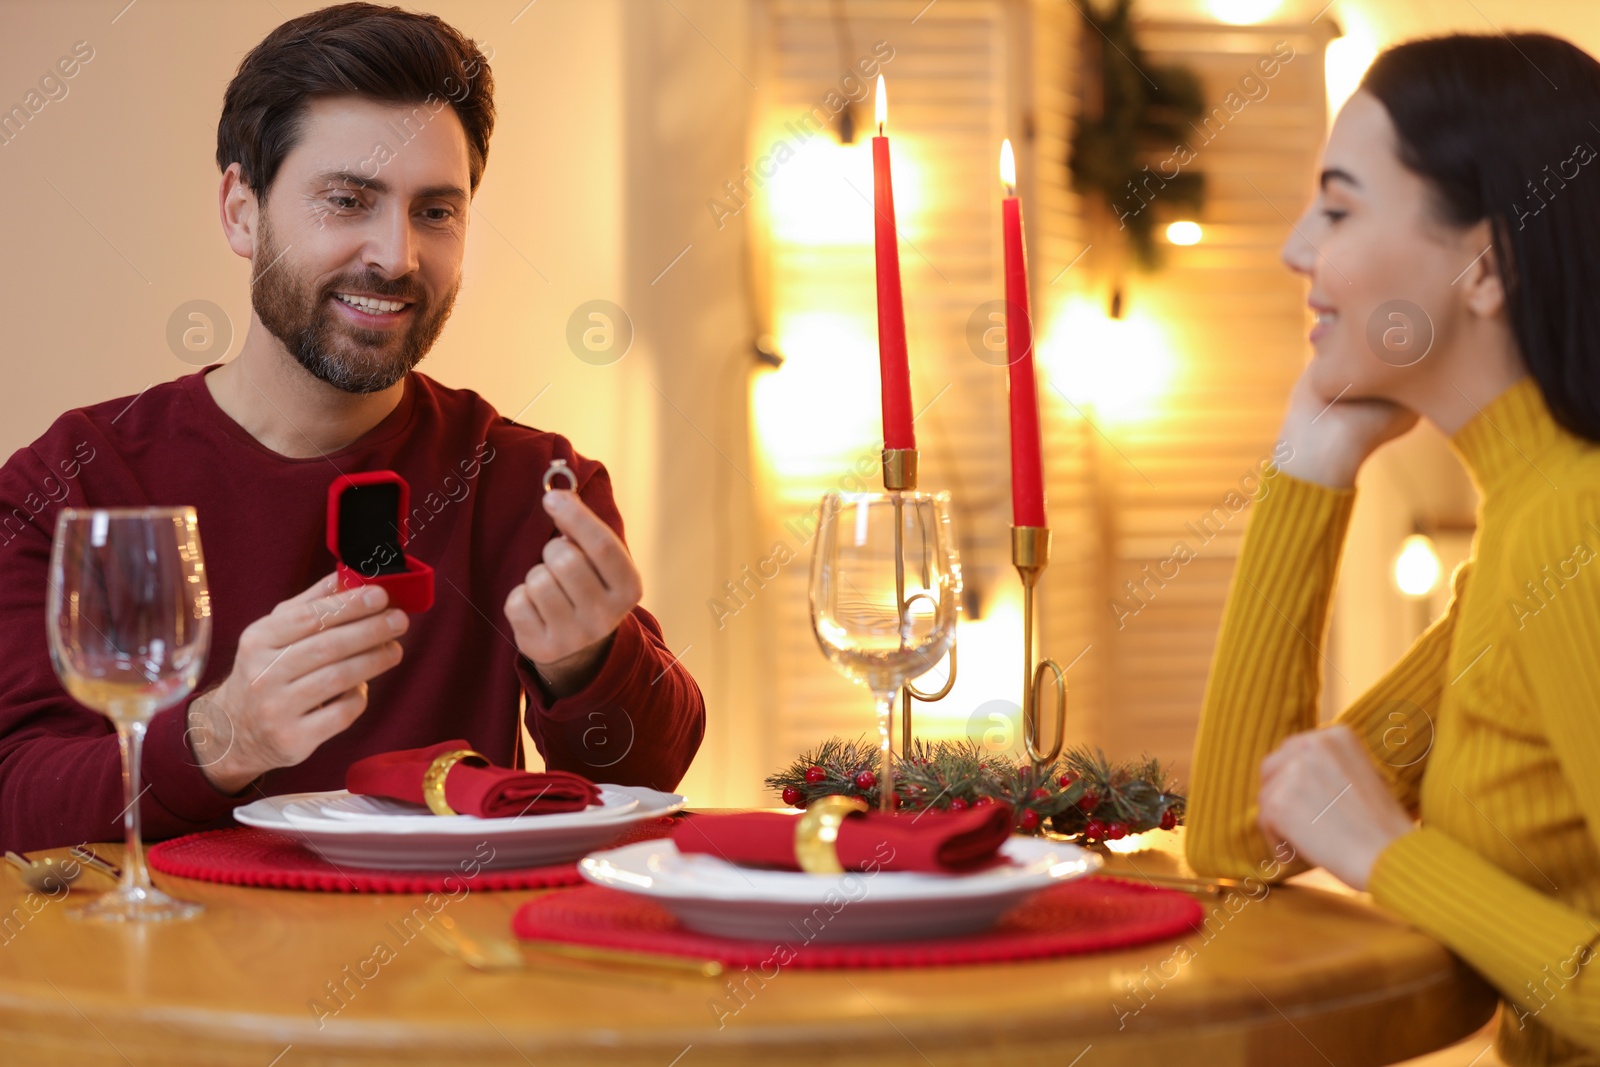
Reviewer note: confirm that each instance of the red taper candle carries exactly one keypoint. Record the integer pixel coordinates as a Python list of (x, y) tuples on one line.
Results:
[(1027, 445), (892, 364)]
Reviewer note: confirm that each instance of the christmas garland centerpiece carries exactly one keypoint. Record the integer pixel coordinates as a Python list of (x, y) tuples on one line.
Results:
[(1080, 794)]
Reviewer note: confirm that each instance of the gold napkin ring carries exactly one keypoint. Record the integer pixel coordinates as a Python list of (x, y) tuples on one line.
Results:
[(433, 778), (816, 833)]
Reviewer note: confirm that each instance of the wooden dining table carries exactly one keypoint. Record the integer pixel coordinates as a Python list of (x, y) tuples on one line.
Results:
[(1292, 974)]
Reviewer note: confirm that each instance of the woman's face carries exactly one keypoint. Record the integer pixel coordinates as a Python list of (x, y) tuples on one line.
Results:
[(1383, 269)]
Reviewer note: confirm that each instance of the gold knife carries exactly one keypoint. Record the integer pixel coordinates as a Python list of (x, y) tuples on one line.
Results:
[(702, 968), (1209, 886)]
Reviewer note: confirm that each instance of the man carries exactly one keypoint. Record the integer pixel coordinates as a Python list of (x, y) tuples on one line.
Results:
[(356, 239)]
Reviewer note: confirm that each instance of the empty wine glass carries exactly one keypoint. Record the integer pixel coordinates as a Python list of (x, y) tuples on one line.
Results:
[(885, 593), (129, 622)]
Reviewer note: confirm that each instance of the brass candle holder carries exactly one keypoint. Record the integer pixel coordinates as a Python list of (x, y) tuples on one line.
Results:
[(900, 476), (1030, 554)]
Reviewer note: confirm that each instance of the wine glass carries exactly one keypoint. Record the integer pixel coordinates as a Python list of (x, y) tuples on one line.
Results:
[(885, 593), (129, 622)]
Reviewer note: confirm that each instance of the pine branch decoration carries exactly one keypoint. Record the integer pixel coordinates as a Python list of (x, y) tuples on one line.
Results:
[(1080, 794), (1135, 112)]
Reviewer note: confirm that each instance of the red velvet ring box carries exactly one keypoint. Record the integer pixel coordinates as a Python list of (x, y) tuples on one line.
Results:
[(366, 534)]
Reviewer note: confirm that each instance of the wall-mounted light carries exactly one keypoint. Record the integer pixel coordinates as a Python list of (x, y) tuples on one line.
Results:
[(1243, 12), (1120, 367), (1417, 569), (814, 195), (846, 127), (1185, 232), (815, 412), (1345, 62), (766, 350), (847, 124)]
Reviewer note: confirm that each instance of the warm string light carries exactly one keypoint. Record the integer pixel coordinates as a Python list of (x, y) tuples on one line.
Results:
[(1417, 567), (1185, 232)]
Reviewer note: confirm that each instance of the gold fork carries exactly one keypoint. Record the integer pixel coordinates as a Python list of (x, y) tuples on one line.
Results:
[(479, 955), (502, 955)]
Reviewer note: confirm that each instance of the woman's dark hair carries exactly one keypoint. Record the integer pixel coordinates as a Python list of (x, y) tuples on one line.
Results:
[(1503, 128), (382, 53)]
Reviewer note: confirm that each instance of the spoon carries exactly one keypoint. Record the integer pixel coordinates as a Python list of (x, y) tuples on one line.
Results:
[(47, 876)]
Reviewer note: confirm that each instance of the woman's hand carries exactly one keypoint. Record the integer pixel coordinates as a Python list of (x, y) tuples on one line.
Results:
[(1321, 794), (1328, 437)]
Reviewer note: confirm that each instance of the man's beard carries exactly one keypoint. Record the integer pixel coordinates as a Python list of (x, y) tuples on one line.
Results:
[(346, 356)]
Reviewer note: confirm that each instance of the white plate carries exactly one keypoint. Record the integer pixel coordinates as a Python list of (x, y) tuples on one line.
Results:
[(712, 896), (341, 811), (526, 841)]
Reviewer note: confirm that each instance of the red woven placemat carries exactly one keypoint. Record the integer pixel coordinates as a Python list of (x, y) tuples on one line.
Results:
[(1087, 915), (253, 857)]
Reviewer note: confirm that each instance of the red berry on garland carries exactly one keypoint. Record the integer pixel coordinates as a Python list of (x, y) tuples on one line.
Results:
[(1094, 830), (1029, 821), (1116, 831), (1041, 793), (897, 802), (1089, 801), (1169, 819), (815, 775), (866, 780), (983, 802), (792, 796), (1067, 779), (958, 804)]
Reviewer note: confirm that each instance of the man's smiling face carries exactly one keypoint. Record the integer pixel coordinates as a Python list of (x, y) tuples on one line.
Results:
[(350, 229)]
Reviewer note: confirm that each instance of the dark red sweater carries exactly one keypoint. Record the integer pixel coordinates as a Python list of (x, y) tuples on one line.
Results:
[(475, 518)]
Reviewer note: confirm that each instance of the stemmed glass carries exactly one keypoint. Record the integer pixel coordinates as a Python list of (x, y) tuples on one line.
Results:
[(129, 622), (885, 593)]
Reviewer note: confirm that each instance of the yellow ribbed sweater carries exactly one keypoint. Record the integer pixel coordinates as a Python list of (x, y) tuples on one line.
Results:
[(1488, 730)]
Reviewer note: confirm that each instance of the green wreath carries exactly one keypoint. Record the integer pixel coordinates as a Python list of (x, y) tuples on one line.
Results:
[(1143, 114)]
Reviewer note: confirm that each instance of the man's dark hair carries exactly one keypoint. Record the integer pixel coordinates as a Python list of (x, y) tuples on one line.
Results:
[(382, 53)]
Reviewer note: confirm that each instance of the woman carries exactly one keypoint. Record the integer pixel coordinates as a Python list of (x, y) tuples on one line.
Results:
[(1453, 256)]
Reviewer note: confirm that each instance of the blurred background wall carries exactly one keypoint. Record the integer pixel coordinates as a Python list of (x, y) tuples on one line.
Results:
[(633, 162)]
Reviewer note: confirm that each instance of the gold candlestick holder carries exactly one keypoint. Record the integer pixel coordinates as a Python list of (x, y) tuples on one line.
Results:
[(900, 476), (1030, 554)]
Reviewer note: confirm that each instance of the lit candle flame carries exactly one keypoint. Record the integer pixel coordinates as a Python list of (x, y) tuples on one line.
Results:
[(1008, 167), (881, 107)]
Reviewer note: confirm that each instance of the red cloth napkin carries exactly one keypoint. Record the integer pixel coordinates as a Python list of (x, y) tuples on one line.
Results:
[(488, 792), (936, 841)]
